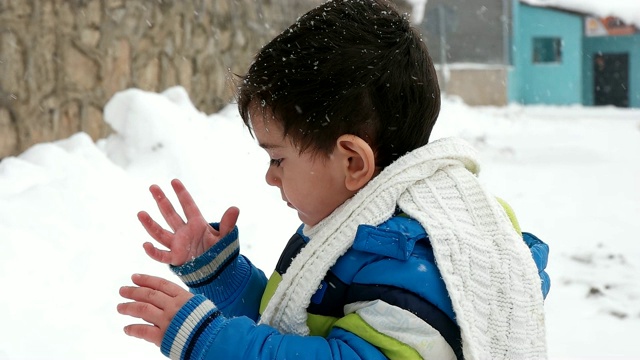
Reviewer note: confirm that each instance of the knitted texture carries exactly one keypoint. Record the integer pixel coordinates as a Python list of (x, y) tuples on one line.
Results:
[(492, 281)]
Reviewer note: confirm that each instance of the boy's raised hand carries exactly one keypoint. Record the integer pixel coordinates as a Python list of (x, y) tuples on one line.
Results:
[(189, 239), (156, 301)]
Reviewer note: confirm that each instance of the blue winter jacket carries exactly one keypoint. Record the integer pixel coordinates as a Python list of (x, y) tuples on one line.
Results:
[(389, 267)]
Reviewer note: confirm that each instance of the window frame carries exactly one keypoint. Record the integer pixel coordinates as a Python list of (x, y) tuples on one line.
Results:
[(547, 50)]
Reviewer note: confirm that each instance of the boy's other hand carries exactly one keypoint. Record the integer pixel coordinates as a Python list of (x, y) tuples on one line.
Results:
[(156, 301), (189, 239)]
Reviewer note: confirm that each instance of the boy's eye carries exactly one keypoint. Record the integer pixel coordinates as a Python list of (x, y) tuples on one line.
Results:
[(275, 162)]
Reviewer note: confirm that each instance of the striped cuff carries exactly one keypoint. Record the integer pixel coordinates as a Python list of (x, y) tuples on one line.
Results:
[(197, 319), (206, 267)]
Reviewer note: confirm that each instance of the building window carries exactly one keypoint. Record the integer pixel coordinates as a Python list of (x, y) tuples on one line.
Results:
[(547, 50)]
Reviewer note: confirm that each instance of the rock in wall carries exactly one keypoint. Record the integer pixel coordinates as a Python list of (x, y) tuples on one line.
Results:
[(62, 60)]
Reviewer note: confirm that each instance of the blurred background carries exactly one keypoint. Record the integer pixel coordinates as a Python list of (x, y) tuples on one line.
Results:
[(61, 61)]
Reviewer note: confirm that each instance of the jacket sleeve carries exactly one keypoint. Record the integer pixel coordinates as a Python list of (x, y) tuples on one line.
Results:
[(200, 331), (225, 277), (540, 253)]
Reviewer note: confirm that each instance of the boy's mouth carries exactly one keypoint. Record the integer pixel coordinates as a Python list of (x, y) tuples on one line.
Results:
[(288, 203)]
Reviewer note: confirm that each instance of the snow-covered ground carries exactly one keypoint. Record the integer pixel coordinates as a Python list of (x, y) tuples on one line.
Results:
[(69, 236)]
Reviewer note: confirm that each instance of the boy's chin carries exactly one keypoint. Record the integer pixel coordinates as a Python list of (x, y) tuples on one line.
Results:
[(305, 220)]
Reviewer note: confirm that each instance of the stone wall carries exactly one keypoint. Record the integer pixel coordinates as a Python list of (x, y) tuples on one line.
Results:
[(62, 60), (477, 86)]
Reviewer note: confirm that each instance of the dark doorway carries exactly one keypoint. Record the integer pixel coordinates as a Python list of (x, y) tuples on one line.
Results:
[(611, 79)]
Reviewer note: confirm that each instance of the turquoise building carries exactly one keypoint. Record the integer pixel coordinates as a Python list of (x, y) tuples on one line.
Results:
[(561, 57)]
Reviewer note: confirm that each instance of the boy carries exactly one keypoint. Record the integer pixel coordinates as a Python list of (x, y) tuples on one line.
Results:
[(344, 102)]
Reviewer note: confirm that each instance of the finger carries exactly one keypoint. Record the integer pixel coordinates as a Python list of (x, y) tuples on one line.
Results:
[(166, 208), (154, 229), (189, 206), (156, 283), (163, 256), (228, 221), (141, 310), (150, 333), (151, 298)]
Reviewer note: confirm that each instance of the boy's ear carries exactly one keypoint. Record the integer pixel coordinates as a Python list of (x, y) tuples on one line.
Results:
[(358, 159)]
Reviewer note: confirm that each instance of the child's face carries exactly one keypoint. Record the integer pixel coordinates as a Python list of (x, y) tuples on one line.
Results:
[(313, 185)]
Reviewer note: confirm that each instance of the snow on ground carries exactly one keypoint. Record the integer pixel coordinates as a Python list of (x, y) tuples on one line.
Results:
[(69, 236)]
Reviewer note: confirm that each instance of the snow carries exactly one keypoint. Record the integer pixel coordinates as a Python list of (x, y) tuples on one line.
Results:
[(70, 236), (473, 66), (417, 10), (627, 10)]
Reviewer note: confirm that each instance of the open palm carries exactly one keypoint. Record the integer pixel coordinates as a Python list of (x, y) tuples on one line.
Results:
[(189, 239)]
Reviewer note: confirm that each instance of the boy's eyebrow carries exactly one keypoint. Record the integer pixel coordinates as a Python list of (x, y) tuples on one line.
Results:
[(268, 146)]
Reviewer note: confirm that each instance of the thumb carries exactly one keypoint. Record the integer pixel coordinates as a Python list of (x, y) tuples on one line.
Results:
[(228, 221)]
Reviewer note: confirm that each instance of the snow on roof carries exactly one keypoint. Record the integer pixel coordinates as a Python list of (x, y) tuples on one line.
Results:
[(417, 11), (627, 10)]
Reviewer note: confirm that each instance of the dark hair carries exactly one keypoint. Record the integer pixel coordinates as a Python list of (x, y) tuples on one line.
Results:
[(347, 67)]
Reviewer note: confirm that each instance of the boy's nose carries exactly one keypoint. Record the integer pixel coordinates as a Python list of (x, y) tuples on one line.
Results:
[(271, 178)]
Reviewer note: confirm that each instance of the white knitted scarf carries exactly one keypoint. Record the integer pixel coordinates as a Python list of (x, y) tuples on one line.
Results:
[(488, 270)]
